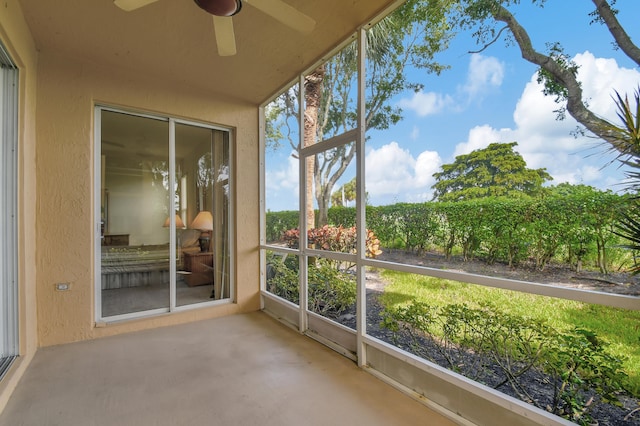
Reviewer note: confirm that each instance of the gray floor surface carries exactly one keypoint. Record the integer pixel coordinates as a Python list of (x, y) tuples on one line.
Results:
[(239, 370)]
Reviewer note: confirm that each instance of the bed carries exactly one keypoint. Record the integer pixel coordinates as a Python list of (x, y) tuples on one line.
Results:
[(133, 266)]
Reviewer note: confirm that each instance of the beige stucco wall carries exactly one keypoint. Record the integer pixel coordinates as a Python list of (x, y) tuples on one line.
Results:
[(56, 171), (15, 36), (68, 88)]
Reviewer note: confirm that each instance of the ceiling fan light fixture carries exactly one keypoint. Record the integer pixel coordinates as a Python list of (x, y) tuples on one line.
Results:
[(220, 7)]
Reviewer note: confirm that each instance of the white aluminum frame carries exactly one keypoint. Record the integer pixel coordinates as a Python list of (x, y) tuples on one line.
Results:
[(9, 244), (364, 343), (100, 320)]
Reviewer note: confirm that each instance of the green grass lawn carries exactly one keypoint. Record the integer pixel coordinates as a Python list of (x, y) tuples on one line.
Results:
[(619, 327)]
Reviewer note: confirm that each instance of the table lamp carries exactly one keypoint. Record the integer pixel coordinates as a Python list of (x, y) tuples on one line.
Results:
[(204, 222), (179, 222)]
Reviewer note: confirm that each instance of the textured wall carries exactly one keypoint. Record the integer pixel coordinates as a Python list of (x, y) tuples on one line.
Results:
[(68, 88), (15, 36)]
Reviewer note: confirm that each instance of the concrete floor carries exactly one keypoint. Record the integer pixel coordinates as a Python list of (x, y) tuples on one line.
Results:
[(239, 370)]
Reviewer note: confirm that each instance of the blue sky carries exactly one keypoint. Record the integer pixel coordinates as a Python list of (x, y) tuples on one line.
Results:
[(493, 97)]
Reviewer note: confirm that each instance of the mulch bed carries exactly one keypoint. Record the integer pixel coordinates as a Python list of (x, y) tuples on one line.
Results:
[(613, 282)]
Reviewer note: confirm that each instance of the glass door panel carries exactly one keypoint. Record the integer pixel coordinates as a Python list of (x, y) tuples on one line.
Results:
[(9, 345), (202, 194), (134, 207)]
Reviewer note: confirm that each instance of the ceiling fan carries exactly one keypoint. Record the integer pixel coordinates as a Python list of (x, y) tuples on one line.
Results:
[(223, 10)]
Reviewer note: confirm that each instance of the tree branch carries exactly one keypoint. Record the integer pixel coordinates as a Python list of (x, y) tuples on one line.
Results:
[(564, 76), (486, 46), (619, 34)]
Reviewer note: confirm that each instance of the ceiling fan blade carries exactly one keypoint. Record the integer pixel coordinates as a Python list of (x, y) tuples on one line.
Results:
[(225, 37), (286, 14), (129, 5)]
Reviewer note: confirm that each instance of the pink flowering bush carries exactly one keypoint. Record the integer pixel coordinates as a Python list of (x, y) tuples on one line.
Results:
[(334, 238)]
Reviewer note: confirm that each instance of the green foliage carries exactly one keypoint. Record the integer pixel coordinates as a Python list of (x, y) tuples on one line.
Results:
[(617, 326), (578, 362), (505, 230), (342, 216), (384, 219), (278, 223), (280, 125), (494, 171), (629, 226), (629, 132), (331, 291), (571, 224), (551, 85), (629, 229), (345, 194), (331, 287), (282, 276), (502, 350)]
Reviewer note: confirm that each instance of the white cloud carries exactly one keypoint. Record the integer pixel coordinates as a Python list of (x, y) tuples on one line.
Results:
[(600, 77), (480, 137), (545, 142), (484, 73), (583, 175), (282, 184), (393, 172), (427, 164), (424, 104)]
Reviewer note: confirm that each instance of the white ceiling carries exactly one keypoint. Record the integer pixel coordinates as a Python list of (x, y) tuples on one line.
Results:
[(174, 40)]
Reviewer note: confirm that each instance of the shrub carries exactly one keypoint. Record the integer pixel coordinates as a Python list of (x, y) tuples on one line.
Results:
[(277, 223), (334, 238), (282, 276), (515, 355), (331, 291)]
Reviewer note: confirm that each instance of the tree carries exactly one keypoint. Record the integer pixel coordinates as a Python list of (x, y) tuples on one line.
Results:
[(313, 88), (590, 218), (408, 37), (495, 171), (345, 194), (557, 71)]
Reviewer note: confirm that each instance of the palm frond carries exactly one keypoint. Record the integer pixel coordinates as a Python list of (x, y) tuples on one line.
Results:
[(628, 228)]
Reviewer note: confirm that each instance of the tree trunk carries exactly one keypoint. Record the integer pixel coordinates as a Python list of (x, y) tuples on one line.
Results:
[(312, 97)]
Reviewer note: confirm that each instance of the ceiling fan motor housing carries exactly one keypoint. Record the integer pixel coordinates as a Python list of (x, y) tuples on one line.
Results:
[(220, 7)]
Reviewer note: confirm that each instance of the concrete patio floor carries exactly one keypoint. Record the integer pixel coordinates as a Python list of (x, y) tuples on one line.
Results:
[(238, 370)]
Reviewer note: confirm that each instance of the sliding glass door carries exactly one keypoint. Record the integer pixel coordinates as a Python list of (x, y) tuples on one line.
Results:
[(163, 215), (8, 211)]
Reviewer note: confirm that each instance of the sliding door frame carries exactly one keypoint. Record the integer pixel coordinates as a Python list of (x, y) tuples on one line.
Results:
[(98, 166), (9, 247)]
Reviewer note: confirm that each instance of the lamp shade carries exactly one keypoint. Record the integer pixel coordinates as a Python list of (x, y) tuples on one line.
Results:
[(203, 221), (179, 222)]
